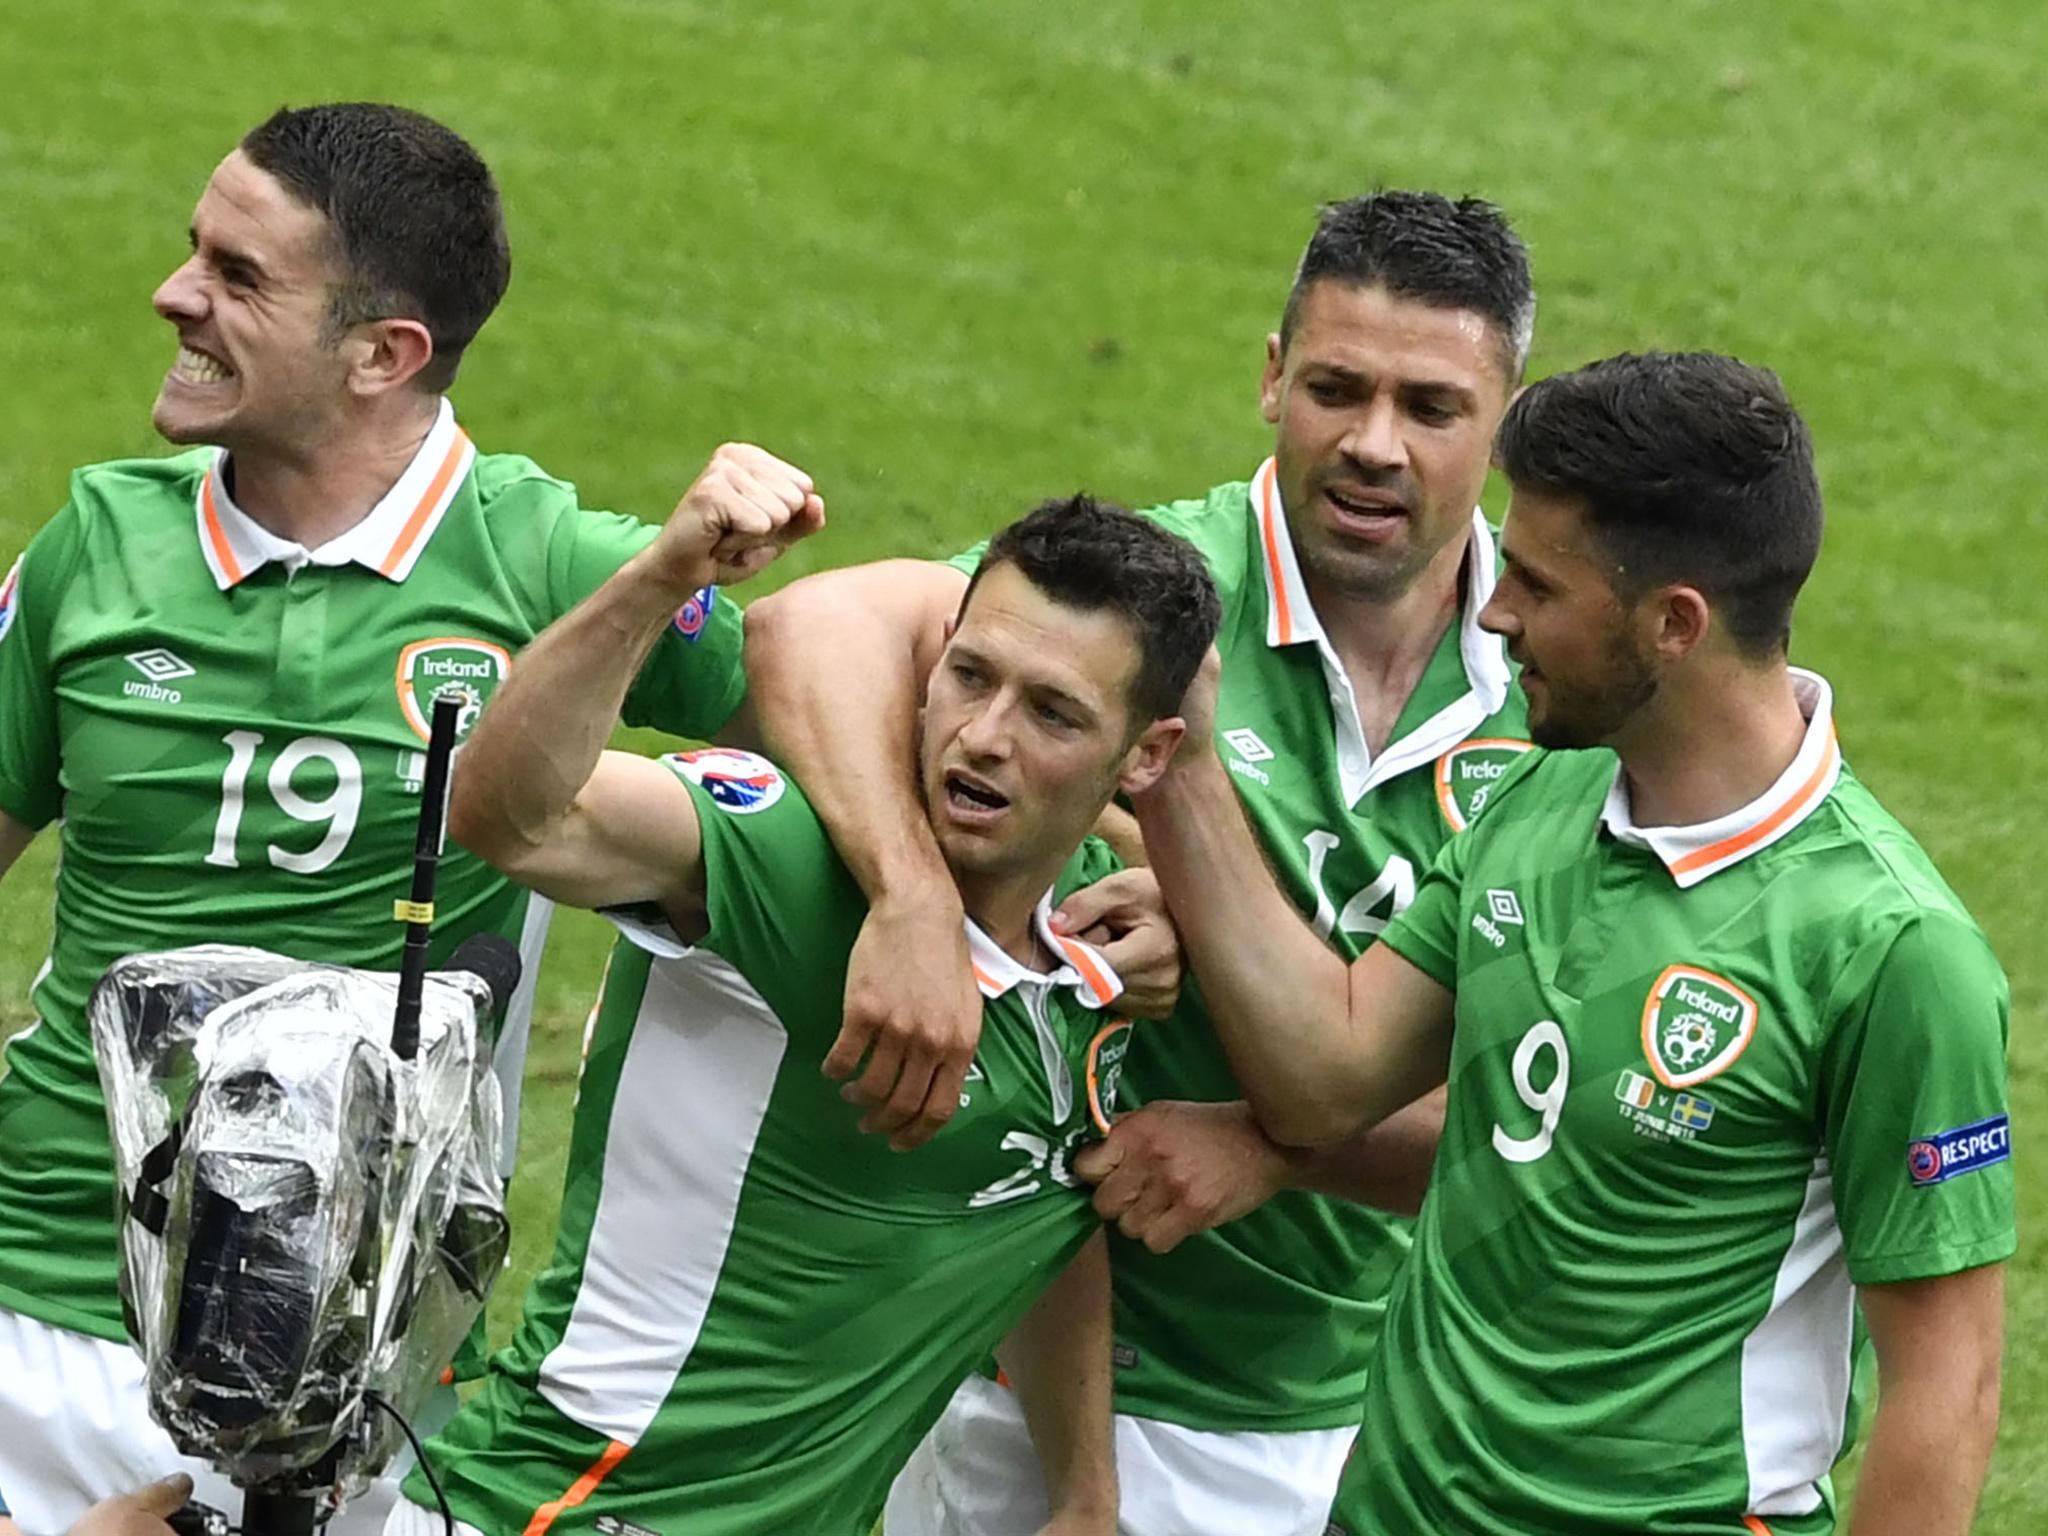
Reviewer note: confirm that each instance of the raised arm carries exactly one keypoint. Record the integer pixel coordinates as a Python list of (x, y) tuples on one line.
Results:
[(1322, 1049), (535, 792), (836, 665)]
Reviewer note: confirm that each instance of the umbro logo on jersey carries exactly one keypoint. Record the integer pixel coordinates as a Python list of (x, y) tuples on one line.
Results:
[(1502, 906), (1244, 741), (1695, 1024), (160, 666)]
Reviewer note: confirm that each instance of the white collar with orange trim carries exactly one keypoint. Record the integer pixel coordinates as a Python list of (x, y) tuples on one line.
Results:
[(388, 541), (1693, 853), (1291, 620), (1085, 970)]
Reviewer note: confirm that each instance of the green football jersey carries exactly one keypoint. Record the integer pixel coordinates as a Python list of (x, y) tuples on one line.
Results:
[(1268, 1323), (1705, 1081), (233, 731), (754, 1311)]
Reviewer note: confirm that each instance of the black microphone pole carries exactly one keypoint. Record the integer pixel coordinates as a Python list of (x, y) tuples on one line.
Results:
[(417, 911)]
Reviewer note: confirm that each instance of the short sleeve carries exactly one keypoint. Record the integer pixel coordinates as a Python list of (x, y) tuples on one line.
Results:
[(968, 561), (781, 907), (1426, 934), (31, 789), (694, 678), (1913, 1109)]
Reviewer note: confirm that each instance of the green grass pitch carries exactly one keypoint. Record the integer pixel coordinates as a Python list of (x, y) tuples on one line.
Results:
[(954, 256)]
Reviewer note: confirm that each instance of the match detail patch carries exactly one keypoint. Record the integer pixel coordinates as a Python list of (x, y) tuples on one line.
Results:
[(741, 782), (1947, 1154)]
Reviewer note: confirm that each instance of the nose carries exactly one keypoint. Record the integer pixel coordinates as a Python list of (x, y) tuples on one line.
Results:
[(182, 295), (986, 736), (1375, 439), (1499, 618)]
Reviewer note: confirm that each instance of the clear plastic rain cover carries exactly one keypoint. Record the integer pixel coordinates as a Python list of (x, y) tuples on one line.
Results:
[(304, 1216)]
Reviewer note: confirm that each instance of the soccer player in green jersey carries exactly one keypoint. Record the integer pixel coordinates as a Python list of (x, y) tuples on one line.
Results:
[(754, 1311), (1725, 1055), (1366, 716), (215, 670)]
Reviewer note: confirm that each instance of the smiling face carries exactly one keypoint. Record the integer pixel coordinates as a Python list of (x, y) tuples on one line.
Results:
[(257, 366), (1028, 731), (1385, 409), (1586, 669)]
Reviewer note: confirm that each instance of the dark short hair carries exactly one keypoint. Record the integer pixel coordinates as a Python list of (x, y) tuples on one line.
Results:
[(1450, 254), (414, 213), (1692, 467), (1095, 556)]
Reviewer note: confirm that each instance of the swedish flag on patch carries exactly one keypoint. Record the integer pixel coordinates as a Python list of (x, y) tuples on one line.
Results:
[(1692, 1111)]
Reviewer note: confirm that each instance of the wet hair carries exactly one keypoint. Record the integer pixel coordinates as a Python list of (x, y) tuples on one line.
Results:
[(414, 213), (1692, 467), (1449, 254), (1097, 557)]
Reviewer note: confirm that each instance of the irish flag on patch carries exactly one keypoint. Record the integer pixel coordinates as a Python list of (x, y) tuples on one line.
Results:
[(1635, 1089)]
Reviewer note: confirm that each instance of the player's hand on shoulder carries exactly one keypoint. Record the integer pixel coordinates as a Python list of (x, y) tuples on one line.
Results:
[(145, 1512), (912, 1014), (1124, 915), (745, 509), (1173, 1169)]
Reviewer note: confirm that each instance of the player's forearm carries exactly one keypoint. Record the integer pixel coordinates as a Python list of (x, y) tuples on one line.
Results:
[(1929, 1448), (835, 670), (1280, 999), (1058, 1361), (542, 733), (1387, 1167)]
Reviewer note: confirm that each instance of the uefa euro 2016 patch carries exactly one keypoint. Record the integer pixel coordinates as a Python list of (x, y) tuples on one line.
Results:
[(1946, 1154), (740, 782)]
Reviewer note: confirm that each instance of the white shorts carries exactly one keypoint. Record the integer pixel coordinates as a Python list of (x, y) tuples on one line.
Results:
[(75, 1429), (976, 1474)]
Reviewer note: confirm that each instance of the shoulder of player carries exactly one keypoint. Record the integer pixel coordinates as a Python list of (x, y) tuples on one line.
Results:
[(1543, 783), (1882, 880), (511, 484), (1220, 525), (131, 488)]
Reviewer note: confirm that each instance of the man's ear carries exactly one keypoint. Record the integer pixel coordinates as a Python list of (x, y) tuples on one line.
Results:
[(1269, 381), (1678, 618), (1149, 754), (384, 355)]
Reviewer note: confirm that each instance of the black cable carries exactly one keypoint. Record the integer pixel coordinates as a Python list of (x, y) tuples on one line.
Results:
[(433, 1482)]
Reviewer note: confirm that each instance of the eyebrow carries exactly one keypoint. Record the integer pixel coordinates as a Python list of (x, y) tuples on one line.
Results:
[(228, 256), (1349, 375)]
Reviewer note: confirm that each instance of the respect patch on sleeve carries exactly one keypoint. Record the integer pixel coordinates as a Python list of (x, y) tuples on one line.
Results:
[(1948, 1154)]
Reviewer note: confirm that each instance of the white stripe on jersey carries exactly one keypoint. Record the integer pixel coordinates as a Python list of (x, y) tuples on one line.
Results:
[(1796, 1363), (692, 1094)]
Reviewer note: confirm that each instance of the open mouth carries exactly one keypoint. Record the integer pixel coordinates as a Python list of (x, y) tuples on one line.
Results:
[(199, 368), (971, 795), (1370, 512)]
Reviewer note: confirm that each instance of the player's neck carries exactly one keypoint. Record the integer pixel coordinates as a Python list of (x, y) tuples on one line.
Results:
[(1385, 643), (1711, 746), (1001, 906), (315, 491)]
